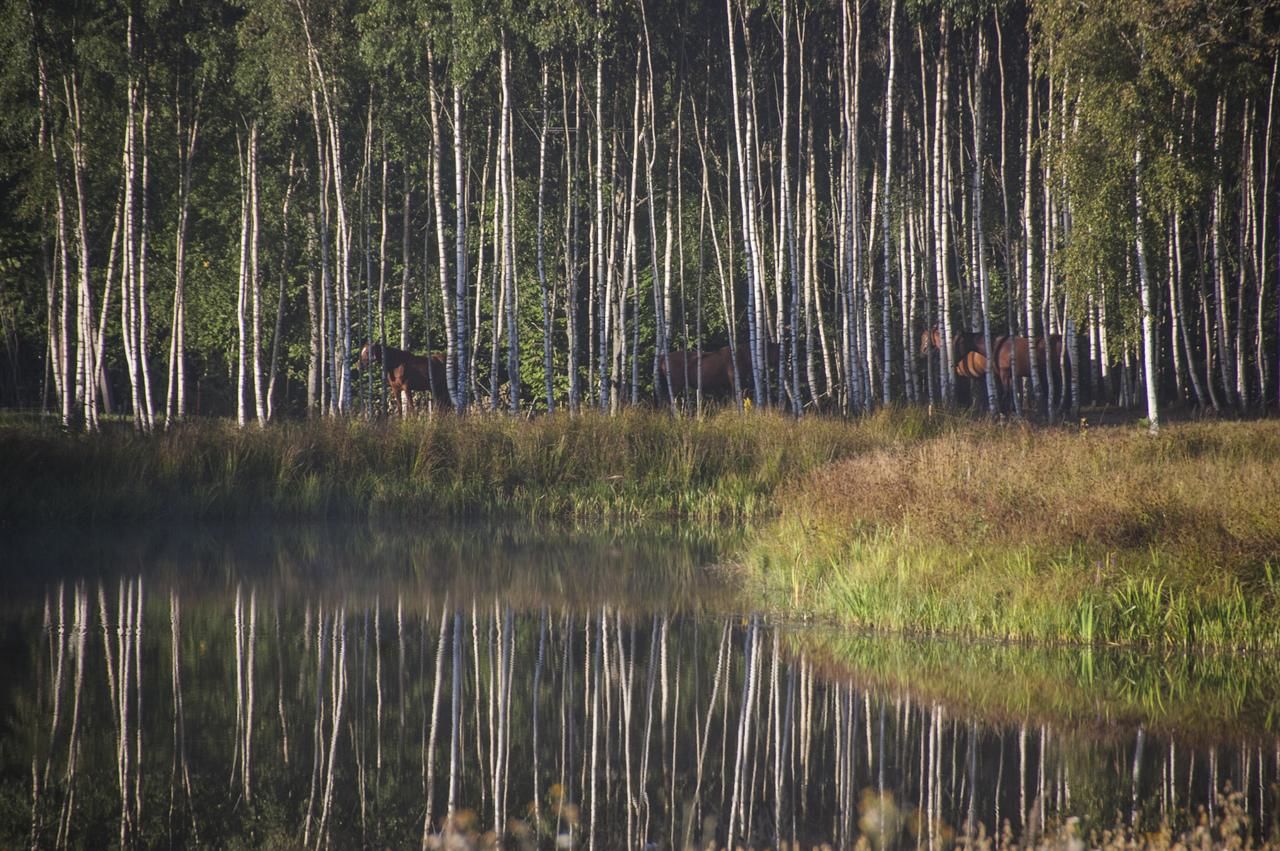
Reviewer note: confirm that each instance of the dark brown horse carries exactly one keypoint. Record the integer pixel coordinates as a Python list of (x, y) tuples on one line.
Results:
[(717, 367), (962, 343), (1013, 359), (407, 372)]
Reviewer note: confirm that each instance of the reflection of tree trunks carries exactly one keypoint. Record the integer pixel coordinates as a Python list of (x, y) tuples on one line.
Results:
[(317, 733), (338, 692), (593, 692), (245, 629), (377, 675), (429, 756), (751, 667), (455, 742), (284, 722), (776, 710), (52, 634), (624, 695), (566, 701), (971, 818), (651, 687), (1040, 793), (537, 701), (1213, 785), (128, 659), (1137, 776), (179, 772), (80, 630), (479, 692), (791, 735)]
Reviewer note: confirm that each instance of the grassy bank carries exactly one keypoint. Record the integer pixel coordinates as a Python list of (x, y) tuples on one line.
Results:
[(639, 465), (901, 521), (1103, 535)]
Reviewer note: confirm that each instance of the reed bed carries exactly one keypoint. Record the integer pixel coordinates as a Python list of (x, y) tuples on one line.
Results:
[(1076, 535), (643, 464)]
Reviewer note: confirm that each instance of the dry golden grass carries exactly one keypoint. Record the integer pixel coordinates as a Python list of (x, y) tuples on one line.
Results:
[(1210, 492), (1065, 534)]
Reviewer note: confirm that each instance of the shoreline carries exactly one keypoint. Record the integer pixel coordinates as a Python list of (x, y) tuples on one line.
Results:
[(901, 522)]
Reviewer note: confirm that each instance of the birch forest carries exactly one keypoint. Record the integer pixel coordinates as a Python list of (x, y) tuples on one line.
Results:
[(211, 208)]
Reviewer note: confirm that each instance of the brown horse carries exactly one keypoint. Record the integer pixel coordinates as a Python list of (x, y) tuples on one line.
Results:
[(681, 369), (1012, 357), (407, 372), (962, 343)]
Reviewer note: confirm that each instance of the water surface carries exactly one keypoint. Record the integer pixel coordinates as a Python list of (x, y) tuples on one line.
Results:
[(353, 686)]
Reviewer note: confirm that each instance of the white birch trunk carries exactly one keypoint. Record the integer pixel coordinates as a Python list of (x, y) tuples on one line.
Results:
[(1151, 370), (886, 293)]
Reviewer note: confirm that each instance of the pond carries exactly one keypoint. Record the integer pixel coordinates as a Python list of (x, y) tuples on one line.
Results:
[(443, 685)]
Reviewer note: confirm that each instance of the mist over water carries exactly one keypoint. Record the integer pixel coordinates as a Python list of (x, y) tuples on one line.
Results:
[(351, 686)]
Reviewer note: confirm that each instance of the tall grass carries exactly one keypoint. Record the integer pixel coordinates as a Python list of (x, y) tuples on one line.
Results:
[(1082, 536), (638, 465)]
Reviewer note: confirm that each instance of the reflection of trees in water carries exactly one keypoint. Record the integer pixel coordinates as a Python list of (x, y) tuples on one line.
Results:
[(271, 718)]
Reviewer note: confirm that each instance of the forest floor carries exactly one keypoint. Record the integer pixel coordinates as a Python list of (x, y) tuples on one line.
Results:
[(902, 521)]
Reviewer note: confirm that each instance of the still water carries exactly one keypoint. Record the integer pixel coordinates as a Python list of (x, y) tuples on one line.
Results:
[(443, 686)]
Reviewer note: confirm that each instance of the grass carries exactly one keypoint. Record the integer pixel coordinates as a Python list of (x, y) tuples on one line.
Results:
[(1104, 535), (1104, 693), (901, 521), (636, 466)]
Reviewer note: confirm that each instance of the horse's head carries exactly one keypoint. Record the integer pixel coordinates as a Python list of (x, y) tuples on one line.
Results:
[(930, 339), (371, 353)]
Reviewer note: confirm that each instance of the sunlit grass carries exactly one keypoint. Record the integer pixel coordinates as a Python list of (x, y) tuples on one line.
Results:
[(1065, 535)]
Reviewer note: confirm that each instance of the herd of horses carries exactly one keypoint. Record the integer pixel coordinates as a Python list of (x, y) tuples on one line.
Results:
[(716, 371)]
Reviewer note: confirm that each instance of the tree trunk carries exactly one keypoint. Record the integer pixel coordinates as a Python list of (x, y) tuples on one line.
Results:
[(1149, 345), (571, 230), (542, 269), (454, 346), (980, 261), (886, 294), (941, 205), (746, 189), (1222, 330), (1260, 343), (460, 265), (242, 288), (255, 277), (278, 331), (507, 179), (175, 395)]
